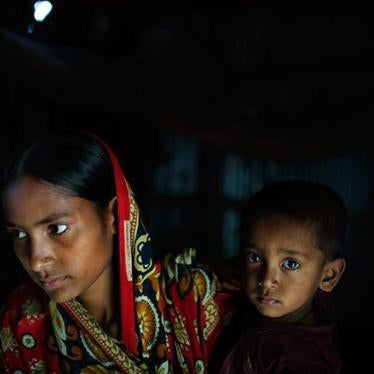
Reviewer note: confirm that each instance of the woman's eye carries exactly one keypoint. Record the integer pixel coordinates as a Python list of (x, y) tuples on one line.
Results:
[(18, 234), (291, 265), (58, 229), (253, 258)]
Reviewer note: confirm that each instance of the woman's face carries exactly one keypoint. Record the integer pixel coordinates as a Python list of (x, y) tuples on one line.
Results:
[(61, 240)]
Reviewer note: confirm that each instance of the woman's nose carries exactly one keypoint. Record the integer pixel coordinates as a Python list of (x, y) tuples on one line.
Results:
[(41, 255)]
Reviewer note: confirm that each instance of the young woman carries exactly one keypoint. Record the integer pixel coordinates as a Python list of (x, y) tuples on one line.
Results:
[(98, 299)]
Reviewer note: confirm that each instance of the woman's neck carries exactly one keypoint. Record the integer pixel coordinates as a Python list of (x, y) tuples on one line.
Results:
[(100, 303)]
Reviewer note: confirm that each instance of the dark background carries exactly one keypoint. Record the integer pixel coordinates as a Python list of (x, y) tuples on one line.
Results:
[(204, 105)]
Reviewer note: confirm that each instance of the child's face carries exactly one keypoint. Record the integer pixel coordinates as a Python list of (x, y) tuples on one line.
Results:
[(282, 268), (59, 239)]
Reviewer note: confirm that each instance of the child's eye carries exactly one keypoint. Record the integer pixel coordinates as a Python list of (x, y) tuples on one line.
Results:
[(253, 258), (290, 264), (58, 229)]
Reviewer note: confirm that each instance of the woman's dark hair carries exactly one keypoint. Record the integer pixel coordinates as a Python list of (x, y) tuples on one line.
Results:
[(73, 160), (305, 202)]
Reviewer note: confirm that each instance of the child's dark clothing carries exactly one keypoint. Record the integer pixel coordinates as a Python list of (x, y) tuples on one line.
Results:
[(250, 346)]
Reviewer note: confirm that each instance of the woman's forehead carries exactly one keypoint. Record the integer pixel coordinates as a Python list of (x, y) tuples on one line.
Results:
[(32, 200), (28, 188)]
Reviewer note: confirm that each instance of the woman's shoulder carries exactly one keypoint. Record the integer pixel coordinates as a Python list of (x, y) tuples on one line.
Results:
[(177, 265), (188, 276), (25, 304)]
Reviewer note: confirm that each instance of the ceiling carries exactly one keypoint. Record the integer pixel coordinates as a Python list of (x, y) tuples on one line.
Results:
[(270, 77)]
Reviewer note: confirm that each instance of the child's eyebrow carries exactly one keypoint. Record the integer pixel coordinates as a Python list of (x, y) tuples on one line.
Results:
[(293, 252), (288, 252), (250, 247)]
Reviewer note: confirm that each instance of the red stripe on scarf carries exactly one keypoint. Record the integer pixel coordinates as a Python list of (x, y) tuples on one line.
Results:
[(128, 332)]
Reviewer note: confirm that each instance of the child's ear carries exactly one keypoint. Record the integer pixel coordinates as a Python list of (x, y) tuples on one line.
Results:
[(332, 272), (111, 214)]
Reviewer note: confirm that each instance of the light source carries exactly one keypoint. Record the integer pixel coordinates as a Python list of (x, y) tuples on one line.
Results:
[(41, 10)]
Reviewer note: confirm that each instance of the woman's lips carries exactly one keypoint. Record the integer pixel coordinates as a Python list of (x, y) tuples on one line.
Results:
[(52, 283)]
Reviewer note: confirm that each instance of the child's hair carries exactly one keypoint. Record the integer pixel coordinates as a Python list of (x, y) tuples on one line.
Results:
[(305, 202)]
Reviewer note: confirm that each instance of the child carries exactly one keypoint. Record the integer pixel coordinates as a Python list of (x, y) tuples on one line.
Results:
[(291, 236)]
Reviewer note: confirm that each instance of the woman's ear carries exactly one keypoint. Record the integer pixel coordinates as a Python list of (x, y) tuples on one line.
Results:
[(111, 214), (332, 272)]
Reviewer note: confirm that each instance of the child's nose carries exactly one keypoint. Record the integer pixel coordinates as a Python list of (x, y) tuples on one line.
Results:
[(268, 278)]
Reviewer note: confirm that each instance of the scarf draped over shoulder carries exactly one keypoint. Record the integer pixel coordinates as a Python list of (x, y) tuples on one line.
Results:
[(170, 313)]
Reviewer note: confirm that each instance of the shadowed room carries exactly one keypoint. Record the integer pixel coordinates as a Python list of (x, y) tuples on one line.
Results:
[(204, 106)]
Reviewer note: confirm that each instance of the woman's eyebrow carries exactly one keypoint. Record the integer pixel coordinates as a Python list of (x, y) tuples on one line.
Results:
[(48, 219), (53, 217)]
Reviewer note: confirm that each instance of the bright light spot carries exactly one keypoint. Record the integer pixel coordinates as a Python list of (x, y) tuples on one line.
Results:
[(41, 10)]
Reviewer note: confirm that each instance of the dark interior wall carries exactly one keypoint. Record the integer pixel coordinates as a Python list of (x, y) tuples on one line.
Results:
[(283, 89)]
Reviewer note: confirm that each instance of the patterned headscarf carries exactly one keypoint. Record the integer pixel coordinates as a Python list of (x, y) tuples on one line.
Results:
[(170, 312)]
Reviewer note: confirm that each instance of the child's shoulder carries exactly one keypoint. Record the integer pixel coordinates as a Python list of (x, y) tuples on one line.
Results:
[(280, 349), (294, 347)]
